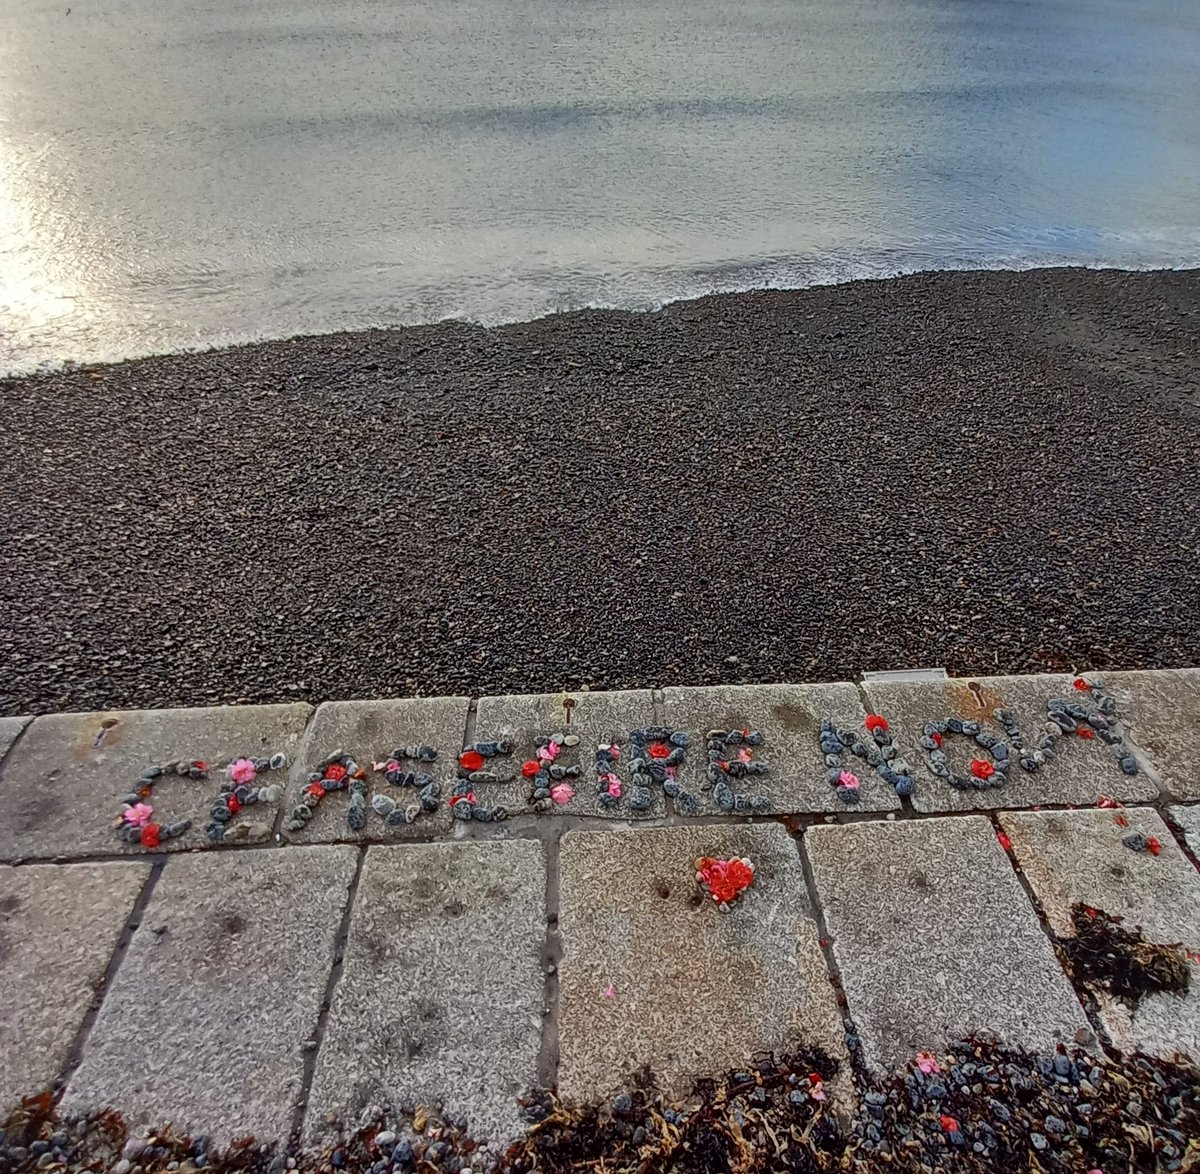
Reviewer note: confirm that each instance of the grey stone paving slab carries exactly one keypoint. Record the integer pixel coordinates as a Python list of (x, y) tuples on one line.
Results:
[(441, 998), (59, 926), (369, 731), (1081, 772), (10, 727), (1188, 818), (61, 785), (594, 717), (789, 718), (1072, 857), (935, 938), (205, 1023), (654, 974), (1162, 710)]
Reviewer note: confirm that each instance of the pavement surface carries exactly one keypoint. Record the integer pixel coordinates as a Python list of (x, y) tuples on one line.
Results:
[(273, 986)]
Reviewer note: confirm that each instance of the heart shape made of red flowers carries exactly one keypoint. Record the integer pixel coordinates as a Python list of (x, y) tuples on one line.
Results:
[(724, 879)]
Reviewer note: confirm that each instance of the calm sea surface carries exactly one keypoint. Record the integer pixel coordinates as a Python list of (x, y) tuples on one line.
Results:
[(175, 175)]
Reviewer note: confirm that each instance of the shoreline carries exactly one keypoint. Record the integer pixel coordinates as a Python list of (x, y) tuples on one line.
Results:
[(581, 314), (992, 471)]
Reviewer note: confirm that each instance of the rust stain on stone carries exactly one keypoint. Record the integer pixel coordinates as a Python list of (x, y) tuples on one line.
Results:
[(971, 700)]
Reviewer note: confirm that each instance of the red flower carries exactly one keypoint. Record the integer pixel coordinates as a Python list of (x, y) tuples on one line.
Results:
[(724, 879), (469, 797), (315, 791), (981, 769), (1121, 821), (1086, 733), (335, 772), (875, 722), (1081, 685), (200, 764), (470, 760), (150, 834), (1153, 844), (949, 1124), (659, 750), (530, 768), (234, 804), (1005, 842), (936, 739)]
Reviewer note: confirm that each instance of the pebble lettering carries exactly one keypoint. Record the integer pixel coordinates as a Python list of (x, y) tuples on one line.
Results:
[(625, 775)]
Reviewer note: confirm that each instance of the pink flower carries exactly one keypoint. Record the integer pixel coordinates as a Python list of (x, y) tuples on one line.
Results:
[(927, 1062), (670, 771), (744, 755), (615, 752), (614, 786), (562, 793), (138, 814), (817, 1093), (543, 754), (611, 992), (242, 771), (848, 779), (554, 750)]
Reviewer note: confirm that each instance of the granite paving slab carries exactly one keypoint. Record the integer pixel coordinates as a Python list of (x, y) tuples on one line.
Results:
[(441, 998), (788, 717), (653, 974), (1188, 818), (526, 720), (10, 727), (207, 1018), (1163, 714), (61, 785), (59, 926), (1081, 772), (369, 731), (936, 940), (1078, 857)]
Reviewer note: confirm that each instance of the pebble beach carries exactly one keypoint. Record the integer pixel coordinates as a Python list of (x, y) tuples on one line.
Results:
[(994, 472)]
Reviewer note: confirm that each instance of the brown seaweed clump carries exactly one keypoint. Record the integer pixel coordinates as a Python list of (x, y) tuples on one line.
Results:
[(1104, 953)]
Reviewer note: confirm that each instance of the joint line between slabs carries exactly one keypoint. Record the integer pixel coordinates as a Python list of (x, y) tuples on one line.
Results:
[(551, 958), (525, 831), (1164, 813), (132, 922), (841, 999), (1039, 911), (312, 1047)]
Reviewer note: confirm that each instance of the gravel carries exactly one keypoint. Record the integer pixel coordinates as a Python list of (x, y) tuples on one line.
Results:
[(991, 471), (984, 1109)]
